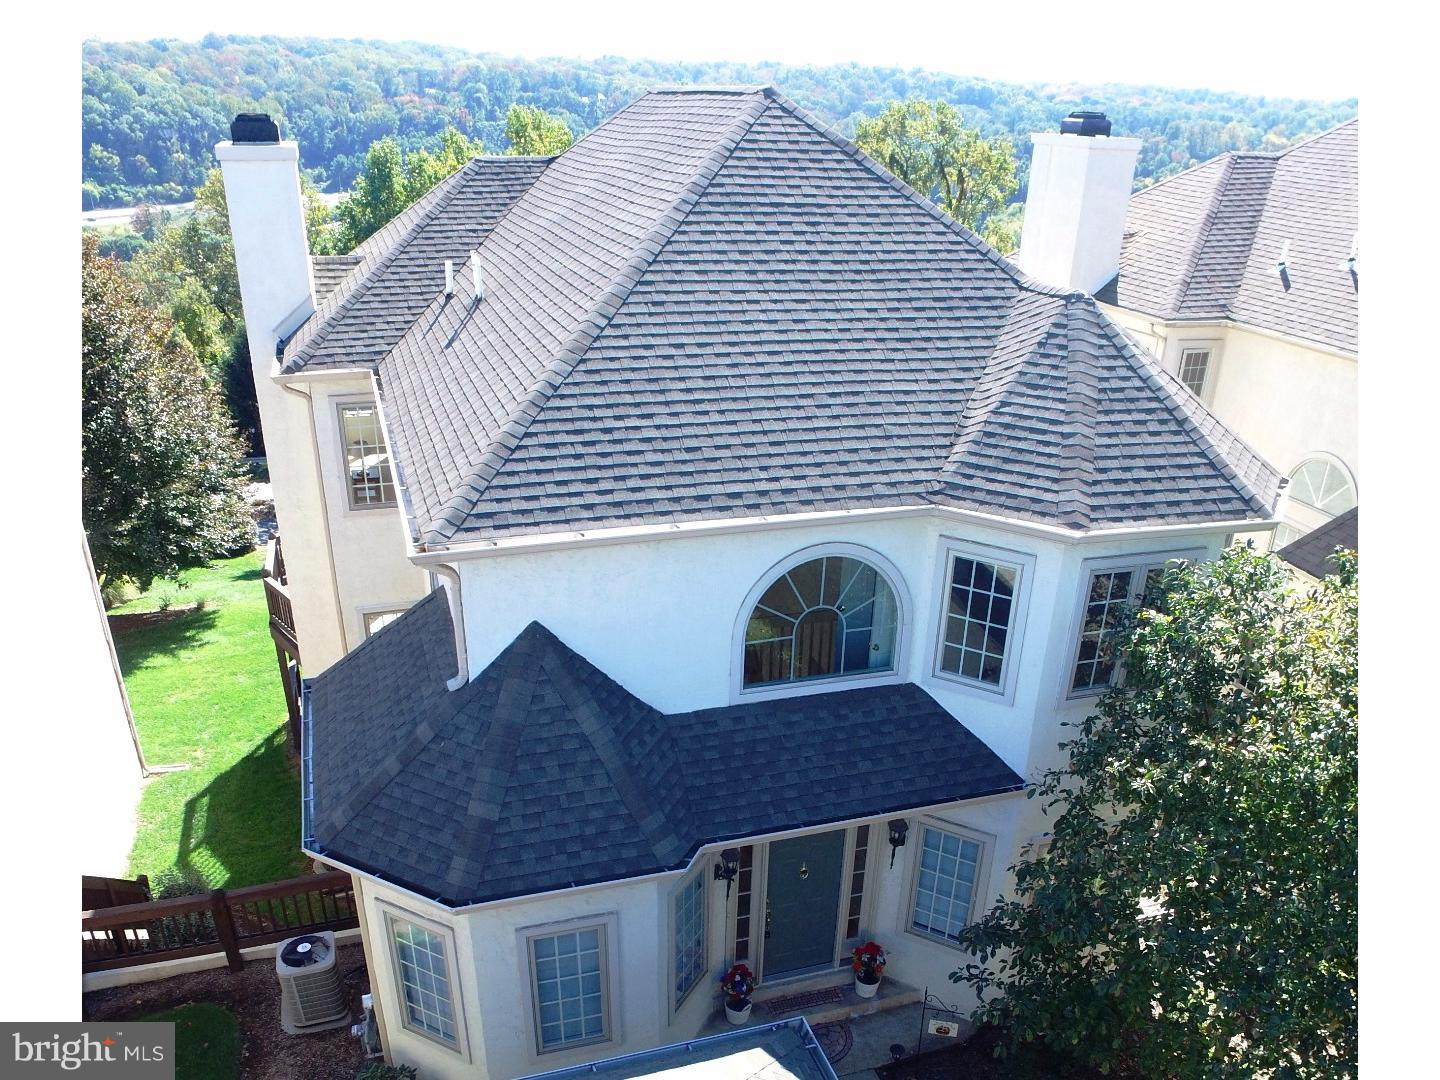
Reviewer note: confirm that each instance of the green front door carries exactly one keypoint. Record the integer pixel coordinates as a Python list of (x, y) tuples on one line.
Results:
[(802, 899)]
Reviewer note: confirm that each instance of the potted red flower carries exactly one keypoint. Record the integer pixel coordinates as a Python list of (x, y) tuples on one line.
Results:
[(868, 962), (738, 983)]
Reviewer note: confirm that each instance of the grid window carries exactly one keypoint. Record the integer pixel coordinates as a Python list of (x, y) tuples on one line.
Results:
[(424, 980), (945, 885), (743, 894), (1323, 485), (1194, 368), (1106, 605), (978, 619), (689, 936), (367, 461), (857, 882), (569, 987), (378, 620)]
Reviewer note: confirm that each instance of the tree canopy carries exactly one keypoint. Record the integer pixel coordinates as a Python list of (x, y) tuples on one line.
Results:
[(391, 180), (533, 131), (1195, 912), (162, 480), (927, 145)]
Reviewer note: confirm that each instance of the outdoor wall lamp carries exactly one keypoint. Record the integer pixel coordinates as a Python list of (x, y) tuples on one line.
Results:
[(727, 868), (898, 828)]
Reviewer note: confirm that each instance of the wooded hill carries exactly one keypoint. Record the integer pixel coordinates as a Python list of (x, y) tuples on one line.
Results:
[(152, 111)]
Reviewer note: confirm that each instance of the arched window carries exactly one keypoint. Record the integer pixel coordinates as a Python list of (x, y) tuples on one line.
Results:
[(1320, 489), (825, 617)]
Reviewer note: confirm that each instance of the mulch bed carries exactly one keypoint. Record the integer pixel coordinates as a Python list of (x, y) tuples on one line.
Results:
[(253, 995), (975, 1059), (135, 620)]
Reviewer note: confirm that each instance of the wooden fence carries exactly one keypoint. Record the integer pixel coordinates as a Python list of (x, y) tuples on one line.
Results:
[(225, 921)]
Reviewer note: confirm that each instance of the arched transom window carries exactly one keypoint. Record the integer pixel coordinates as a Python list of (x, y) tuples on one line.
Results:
[(824, 618), (1320, 489)]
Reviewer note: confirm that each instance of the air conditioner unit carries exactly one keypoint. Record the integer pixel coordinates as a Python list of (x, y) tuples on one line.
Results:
[(312, 994)]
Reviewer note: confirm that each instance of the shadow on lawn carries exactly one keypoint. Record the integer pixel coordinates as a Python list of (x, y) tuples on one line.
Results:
[(139, 646), (243, 828)]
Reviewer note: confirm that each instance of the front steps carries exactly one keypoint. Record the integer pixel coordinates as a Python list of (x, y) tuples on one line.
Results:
[(893, 994)]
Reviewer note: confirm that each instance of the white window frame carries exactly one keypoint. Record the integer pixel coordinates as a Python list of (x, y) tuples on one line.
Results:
[(390, 915), (1212, 365), (1143, 563), (607, 924), (699, 873), (350, 402), (366, 613), (978, 904), (829, 684), (1023, 563)]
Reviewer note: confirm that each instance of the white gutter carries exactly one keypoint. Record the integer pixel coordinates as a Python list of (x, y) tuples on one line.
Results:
[(457, 624), (704, 850)]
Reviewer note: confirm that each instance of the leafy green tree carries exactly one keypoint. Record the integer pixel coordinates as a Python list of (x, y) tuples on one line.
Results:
[(162, 477), (391, 180), (531, 130), (1196, 909), (424, 168), (927, 145)]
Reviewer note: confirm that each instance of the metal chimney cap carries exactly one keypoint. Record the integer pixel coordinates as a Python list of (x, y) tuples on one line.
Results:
[(254, 128), (1082, 122)]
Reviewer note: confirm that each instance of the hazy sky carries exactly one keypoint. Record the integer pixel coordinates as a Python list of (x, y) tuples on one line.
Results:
[(1258, 47)]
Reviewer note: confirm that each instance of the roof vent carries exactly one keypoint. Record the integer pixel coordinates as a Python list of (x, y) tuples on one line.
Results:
[(1085, 123), (251, 127), (477, 276)]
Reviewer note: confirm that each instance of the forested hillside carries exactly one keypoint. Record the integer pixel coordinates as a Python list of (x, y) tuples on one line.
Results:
[(154, 110)]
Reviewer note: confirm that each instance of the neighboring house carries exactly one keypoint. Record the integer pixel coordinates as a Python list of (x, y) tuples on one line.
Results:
[(769, 527), (1242, 275)]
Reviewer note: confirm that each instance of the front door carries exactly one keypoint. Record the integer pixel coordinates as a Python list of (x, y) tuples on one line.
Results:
[(802, 902)]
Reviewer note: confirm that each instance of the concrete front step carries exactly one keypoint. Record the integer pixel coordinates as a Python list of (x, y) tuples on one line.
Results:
[(893, 994)]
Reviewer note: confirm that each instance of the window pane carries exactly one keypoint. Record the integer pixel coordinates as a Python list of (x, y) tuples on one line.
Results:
[(945, 886), (367, 460), (981, 604), (689, 936), (1194, 365), (569, 987), (1109, 604), (424, 980)]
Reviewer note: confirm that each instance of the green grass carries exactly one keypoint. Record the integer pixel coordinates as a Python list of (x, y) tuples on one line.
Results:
[(206, 692), (207, 1041)]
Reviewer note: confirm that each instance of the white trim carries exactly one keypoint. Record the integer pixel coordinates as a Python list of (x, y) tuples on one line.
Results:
[(608, 924), (1023, 563), (1226, 324), (1145, 561), (978, 905), (389, 913), (826, 684)]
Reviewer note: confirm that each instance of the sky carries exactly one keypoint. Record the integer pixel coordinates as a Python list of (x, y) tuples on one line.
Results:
[(1258, 47)]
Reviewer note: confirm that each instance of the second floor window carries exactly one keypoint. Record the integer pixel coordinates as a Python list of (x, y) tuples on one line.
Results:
[(1195, 370), (367, 460)]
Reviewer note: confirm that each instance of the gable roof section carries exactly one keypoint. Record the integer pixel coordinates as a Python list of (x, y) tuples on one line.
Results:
[(390, 278), (1204, 244), (543, 773), (712, 306)]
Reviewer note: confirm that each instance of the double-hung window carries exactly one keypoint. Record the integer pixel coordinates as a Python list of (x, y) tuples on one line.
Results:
[(1196, 368), (688, 928), (981, 616), (369, 481), (568, 976), (425, 977), (1113, 591), (949, 875)]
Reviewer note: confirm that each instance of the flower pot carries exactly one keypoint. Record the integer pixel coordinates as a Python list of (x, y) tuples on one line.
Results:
[(867, 990), (737, 1016)]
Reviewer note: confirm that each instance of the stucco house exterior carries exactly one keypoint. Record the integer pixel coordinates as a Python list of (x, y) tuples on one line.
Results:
[(744, 529), (1242, 276)]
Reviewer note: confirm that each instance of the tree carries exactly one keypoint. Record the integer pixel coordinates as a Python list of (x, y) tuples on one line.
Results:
[(1196, 909), (531, 130), (162, 477), (390, 181), (926, 144)]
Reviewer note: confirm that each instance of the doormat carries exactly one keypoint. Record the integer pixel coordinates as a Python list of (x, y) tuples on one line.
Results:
[(798, 1002), (835, 1039)]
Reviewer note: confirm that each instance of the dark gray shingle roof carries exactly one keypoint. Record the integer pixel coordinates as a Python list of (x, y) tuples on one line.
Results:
[(713, 306), (1203, 244), (1311, 553), (395, 274), (542, 772)]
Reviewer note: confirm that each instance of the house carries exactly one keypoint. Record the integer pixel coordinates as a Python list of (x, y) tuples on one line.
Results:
[(757, 528), (1242, 275)]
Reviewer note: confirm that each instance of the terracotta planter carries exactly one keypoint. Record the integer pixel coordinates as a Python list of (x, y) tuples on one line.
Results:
[(867, 990), (737, 1016)]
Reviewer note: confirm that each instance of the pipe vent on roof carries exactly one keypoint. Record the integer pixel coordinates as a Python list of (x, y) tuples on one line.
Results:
[(1085, 123), (449, 277), (477, 277)]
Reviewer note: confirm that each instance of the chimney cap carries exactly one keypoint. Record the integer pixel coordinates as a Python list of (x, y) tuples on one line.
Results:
[(1082, 122), (254, 128)]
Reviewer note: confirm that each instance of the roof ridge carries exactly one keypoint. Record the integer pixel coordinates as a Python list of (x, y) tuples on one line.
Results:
[(645, 251), (849, 146), (1222, 206), (1074, 504), (1202, 235), (1183, 406), (443, 196)]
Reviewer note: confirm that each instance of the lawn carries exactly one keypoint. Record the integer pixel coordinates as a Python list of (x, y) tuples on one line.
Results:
[(205, 692), (207, 1041)]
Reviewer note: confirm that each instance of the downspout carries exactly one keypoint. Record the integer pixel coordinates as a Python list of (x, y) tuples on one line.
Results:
[(324, 503), (457, 622)]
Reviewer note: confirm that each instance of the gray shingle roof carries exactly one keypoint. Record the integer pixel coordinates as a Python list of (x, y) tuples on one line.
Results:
[(395, 274), (1311, 553), (1203, 244), (542, 772), (713, 306)]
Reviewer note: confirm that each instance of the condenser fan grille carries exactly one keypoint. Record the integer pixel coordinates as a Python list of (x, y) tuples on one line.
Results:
[(304, 951)]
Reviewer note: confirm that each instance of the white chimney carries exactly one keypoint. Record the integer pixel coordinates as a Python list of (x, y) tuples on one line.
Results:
[(267, 222), (1079, 194)]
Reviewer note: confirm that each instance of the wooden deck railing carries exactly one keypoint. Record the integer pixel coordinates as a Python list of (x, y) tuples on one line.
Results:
[(277, 593), (106, 892), (225, 921)]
